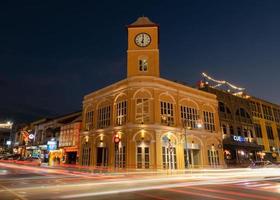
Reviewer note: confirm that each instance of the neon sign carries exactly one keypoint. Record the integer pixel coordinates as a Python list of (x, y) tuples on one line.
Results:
[(238, 138)]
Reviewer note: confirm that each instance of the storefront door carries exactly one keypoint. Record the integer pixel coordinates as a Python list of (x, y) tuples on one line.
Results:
[(143, 157), (194, 157), (102, 156), (169, 158)]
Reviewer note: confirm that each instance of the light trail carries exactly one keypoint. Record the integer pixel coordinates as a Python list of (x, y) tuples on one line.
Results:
[(144, 181), (157, 187)]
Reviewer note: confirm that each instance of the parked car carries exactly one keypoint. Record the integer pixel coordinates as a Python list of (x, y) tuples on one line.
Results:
[(263, 164)]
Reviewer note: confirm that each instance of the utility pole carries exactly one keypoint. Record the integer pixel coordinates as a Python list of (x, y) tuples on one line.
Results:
[(184, 123)]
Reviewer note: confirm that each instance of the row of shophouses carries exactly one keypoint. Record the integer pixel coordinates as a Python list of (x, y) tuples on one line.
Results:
[(154, 128), (148, 122)]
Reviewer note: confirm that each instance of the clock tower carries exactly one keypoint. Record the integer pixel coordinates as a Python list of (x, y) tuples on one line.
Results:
[(143, 52)]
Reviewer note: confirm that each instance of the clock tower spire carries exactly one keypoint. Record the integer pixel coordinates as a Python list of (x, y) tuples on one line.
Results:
[(143, 52)]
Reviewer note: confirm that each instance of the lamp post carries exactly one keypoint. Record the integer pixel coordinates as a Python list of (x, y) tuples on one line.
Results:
[(185, 127)]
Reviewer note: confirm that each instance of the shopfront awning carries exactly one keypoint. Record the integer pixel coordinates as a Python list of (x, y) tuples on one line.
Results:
[(232, 144)]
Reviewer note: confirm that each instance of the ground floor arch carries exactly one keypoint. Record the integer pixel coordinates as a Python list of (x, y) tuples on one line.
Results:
[(151, 149)]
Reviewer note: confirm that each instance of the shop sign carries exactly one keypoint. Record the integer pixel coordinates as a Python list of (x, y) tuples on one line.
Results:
[(32, 148), (31, 136), (238, 138), (43, 147), (51, 145)]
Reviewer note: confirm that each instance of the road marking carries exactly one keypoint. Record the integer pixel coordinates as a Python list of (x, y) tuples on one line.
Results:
[(258, 185), (198, 194), (14, 193), (233, 193)]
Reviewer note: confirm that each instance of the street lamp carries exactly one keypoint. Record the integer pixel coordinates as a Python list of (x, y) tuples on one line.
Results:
[(185, 127)]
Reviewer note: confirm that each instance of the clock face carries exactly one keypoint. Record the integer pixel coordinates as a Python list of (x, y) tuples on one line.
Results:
[(142, 39)]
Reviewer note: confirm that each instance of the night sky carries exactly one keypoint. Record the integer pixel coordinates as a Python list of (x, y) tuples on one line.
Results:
[(52, 53)]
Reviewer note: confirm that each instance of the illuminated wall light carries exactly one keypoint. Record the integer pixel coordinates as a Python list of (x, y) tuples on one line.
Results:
[(119, 134), (101, 137), (87, 138), (142, 134), (169, 134)]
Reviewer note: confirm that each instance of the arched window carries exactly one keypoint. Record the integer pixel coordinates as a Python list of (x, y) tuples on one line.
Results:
[(121, 110), (104, 115), (167, 113), (189, 114), (89, 118), (142, 100), (86, 153), (143, 65), (209, 119), (169, 156)]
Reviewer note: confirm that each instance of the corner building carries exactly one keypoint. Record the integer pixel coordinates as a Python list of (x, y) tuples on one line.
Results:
[(147, 122)]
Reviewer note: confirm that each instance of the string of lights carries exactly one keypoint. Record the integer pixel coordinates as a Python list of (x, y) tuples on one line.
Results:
[(222, 82)]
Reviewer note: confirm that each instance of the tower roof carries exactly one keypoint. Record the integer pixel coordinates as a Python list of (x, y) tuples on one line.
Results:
[(142, 21)]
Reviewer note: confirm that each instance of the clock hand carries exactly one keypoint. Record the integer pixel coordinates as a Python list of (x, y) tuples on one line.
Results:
[(142, 38)]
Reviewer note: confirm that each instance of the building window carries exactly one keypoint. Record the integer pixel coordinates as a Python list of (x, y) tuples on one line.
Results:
[(143, 157), (256, 109), (86, 155), (213, 157), (143, 65), (119, 156), (224, 129), (269, 132), (189, 116), (209, 122), (169, 160), (89, 120), (231, 129), (167, 113), (276, 113), (104, 114), (239, 131), (278, 131), (142, 111), (121, 111), (222, 107), (258, 130), (267, 112)]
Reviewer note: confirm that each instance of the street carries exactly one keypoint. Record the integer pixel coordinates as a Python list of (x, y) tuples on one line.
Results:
[(20, 182)]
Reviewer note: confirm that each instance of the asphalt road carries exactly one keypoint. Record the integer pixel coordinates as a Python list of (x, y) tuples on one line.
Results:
[(19, 182)]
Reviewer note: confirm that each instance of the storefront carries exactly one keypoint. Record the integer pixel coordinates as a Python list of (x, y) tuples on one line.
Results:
[(55, 155), (32, 151), (239, 151), (70, 155), (44, 154)]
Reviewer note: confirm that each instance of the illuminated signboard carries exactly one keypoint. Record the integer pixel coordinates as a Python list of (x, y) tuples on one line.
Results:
[(238, 138), (52, 145), (7, 125), (31, 136)]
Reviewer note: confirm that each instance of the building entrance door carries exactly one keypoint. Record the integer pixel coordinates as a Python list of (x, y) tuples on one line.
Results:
[(102, 156), (194, 157), (143, 157), (169, 157)]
